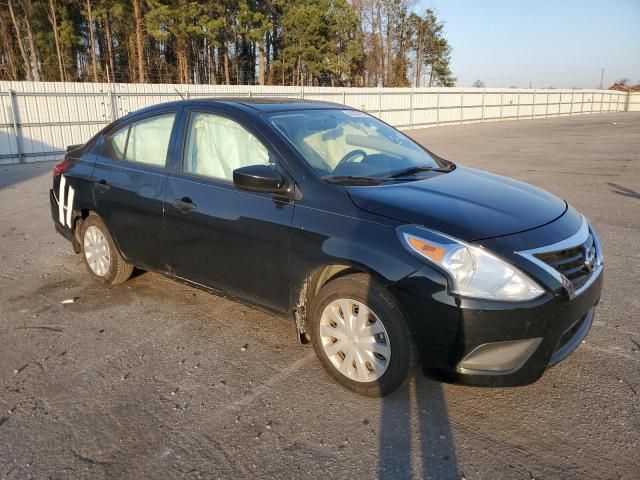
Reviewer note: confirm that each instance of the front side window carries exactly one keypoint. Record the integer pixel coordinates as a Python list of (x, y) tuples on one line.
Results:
[(145, 141), (340, 143), (216, 146)]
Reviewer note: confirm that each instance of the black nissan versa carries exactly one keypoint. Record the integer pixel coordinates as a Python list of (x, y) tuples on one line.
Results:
[(384, 255)]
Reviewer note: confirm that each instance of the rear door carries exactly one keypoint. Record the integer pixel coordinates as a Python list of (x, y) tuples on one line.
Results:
[(130, 179), (231, 240)]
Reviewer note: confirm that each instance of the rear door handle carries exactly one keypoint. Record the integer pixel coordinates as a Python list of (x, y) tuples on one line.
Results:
[(102, 186), (184, 205)]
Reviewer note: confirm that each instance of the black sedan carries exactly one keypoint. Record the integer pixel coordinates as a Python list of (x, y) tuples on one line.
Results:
[(383, 255)]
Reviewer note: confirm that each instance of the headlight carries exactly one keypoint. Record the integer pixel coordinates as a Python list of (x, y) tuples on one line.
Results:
[(472, 271)]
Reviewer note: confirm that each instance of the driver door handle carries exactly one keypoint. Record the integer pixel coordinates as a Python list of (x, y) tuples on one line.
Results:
[(184, 205)]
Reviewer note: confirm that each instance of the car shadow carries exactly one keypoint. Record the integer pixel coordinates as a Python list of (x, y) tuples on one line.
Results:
[(624, 191), (14, 174), (12, 171), (415, 435)]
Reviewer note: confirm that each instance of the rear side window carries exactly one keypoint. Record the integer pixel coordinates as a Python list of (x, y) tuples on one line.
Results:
[(216, 146), (119, 141), (145, 141)]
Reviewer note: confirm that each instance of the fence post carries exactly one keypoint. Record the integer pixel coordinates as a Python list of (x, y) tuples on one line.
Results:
[(546, 107), (501, 102), (482, 105), (571, 108), (518, 107), (626, 103), (13, 105), (461, 107), (533, 105), (438, 107), (344, 97), (560, 103), (411, 108), (379, 103), (111, 109)]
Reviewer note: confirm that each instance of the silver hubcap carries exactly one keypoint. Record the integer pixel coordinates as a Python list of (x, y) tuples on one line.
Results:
[(355, 340), (96, 251)]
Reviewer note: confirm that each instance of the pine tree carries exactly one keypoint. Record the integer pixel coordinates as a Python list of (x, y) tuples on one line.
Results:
[(297, 42)]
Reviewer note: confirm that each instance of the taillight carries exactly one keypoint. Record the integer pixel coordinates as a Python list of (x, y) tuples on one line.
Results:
[(60, 168)]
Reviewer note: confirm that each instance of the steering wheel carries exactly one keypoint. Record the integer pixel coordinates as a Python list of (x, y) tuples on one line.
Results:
[(350, 156)]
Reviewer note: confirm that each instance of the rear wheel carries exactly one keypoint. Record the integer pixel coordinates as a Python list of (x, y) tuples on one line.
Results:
[(100, 254), (361, 336)]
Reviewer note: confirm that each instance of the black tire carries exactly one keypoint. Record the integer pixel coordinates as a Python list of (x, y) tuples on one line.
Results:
[(365, 289), (119, 270)]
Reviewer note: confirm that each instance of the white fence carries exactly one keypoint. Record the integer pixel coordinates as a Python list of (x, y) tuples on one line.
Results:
[(38, 120)]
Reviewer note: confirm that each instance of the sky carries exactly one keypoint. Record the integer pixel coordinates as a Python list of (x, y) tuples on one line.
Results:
[(562, 43)]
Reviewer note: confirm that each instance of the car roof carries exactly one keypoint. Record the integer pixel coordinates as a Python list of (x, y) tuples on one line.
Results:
[(251, 104)]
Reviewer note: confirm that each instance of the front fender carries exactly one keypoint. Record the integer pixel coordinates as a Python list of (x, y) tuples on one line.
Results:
[(320, 239)]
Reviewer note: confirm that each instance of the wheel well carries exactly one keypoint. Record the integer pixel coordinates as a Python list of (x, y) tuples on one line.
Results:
[(80, 216), (310, 288)]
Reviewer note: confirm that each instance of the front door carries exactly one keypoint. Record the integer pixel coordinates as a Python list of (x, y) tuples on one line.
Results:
[(231, 240)]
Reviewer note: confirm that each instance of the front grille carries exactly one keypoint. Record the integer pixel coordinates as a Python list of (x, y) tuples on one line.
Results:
[(575, 263)]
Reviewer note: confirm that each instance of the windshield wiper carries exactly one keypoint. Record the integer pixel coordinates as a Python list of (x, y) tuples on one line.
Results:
[(354, 180), (418, 169), (402, 175)]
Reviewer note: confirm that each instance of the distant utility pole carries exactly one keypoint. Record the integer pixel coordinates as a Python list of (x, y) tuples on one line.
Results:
[(601, 78)]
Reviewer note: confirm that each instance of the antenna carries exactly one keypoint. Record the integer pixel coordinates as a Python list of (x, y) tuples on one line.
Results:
[(181, 96)]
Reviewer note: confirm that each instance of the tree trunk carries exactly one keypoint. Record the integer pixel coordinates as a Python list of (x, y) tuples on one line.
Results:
[(131, 54), (268, 68), (137, 13), (261, 61), (225, 58), (54, 25), (236, 62), (389, 72), (107, 31), (25, 59), (8, 48), (92, 38), (383, 70), (181, 55), (35, 65), (419, 58), (212, 64)]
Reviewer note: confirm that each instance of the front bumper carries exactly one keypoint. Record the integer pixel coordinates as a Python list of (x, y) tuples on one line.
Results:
[(484, 343)]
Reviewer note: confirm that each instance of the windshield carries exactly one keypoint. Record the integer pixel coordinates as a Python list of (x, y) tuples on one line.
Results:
[(349, 143)]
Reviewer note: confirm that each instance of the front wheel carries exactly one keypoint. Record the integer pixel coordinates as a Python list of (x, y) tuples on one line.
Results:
[(100, 254), (361, 336)]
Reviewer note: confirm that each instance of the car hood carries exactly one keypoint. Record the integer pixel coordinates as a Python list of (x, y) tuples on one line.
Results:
[(466, 203)]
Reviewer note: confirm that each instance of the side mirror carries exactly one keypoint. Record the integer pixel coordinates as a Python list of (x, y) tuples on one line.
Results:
[(258, 178)]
